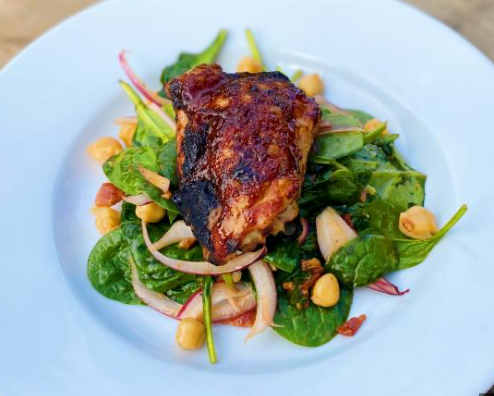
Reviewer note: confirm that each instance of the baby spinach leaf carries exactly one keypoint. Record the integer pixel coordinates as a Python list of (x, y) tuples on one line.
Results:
[(377, 215), (363, 260), (413, 251), (151, 130), (362, 116), (152, 273), (108, 268), (342, 122), (182, 293), (401, 189), (340, 188), (284, 253), (370, 158), (313, 326), (123, 171), (166, 159), (337, 145), (188, 61)]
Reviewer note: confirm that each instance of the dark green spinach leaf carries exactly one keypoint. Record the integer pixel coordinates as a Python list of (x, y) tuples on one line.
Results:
[(151, 130), (362, 116), (413, 252), (108, 268), (166, 159), (152, 273), (188, 61), (284, 253), (363, 260), (312, 326), (123, 171)]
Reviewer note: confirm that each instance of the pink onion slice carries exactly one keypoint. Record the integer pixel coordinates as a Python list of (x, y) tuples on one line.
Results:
[(138, 200), (187, 303), (305, 231), (202, 267), (178, 232), (155, 179), (385, 286), (155, 300), (220, 300), (141, 87), (266, 297), (322, 101), (158, 110)]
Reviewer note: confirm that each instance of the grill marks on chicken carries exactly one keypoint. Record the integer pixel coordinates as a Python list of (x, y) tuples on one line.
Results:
[(242, 144)]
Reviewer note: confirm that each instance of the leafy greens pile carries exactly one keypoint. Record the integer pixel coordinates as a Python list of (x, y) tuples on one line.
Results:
[(358, 173)]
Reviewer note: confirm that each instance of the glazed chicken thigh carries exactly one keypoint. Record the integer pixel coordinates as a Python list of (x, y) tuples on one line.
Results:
[(242, 146)]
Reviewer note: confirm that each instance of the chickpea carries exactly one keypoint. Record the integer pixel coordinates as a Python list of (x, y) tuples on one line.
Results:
[(107, 219), (150, 213), (190, 334), (249, 65), (326, 291), (418, 223), (311, 84), (126, 133), (236, 276), (104, 148), (373, 124)]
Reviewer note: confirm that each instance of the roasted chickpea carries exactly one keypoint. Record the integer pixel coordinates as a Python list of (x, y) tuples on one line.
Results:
[(104, 148), (126, 133), (150, 213), (311, 84), (249, 65), (326, 291), (418, 223), (373, 124), (190, 334), (107, 219), (236, 276)]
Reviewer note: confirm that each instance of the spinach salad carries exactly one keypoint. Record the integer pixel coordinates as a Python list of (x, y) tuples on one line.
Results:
[(360, 218)]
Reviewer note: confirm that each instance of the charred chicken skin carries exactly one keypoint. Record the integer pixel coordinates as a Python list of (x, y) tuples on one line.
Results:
[(242, 145)]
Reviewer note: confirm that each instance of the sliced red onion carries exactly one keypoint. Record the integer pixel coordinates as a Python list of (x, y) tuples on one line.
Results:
[(385, 286), (138, 200), (322, 101), (158, 110), (187, 303), (155, 300), (332, 232), (305, 231), (202, 267), (266, 297), (141, 87), (220, 301), (155, 179), (178, 232)]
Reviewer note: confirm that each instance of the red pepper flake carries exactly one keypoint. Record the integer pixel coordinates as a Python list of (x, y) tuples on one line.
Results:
[(247, 319), (351, 326), (347, 217), (108, 195), (315, 274)]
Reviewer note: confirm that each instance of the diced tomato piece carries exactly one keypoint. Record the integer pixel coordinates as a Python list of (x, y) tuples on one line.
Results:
[(247, 319), (347, 217), (351, 326), (108, 195)]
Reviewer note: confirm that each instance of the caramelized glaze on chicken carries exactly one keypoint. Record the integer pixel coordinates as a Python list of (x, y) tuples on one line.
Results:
[(242, 144)]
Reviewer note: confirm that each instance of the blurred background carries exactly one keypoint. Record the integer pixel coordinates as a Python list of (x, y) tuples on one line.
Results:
[(21, 21)]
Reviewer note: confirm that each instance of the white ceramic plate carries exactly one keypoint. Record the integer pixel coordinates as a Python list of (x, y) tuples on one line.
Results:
[(59, 337)]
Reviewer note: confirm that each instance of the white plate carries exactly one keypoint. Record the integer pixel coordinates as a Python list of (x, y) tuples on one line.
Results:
[(59, 337)]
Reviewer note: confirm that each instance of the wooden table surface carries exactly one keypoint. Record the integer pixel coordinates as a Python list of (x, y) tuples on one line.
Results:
[(21, 21)]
